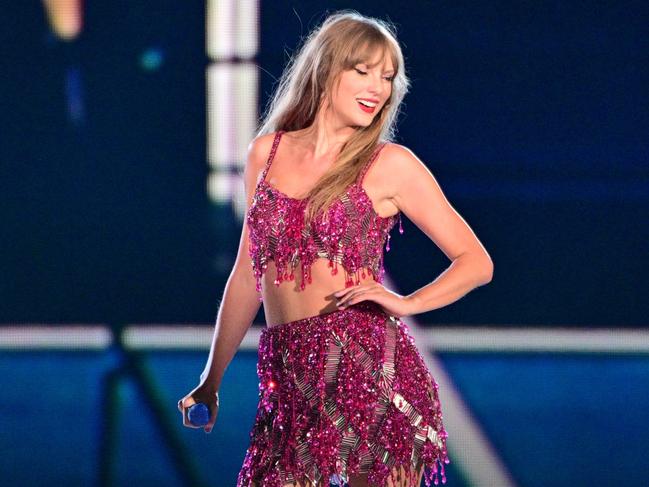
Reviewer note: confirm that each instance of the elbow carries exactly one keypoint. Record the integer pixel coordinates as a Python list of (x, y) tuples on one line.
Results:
[(479, 268), (486, 272), (482, 268)]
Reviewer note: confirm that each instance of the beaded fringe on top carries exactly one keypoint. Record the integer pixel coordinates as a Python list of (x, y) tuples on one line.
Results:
[(344, 393), (349, 233)]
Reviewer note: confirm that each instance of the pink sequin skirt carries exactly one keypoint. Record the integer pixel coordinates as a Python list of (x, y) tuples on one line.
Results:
[(344, 393)]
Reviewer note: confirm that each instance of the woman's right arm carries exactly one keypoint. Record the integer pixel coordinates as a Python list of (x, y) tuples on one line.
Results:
[(240, 302)]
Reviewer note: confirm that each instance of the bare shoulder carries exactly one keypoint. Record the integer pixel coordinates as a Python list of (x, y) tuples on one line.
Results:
[(257, 154), (399, 157), (398, 165), (259, 150)]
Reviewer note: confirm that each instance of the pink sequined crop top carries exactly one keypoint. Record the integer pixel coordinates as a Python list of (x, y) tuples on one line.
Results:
[(353, 235)]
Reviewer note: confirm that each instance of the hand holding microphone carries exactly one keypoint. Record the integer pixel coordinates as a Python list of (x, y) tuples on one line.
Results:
[(199, 409), (198, 414)]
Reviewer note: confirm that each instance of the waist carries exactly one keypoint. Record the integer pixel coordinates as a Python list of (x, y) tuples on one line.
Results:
[(287, 302)]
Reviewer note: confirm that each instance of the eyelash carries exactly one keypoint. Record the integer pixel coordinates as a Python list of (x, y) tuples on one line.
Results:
[(389, 78)]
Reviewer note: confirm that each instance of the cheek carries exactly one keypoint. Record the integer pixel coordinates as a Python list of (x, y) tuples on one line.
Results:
[(350, 87), (345, 95), (345, 98)]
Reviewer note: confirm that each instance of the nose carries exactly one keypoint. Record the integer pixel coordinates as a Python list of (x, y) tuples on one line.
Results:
[(375, 84)]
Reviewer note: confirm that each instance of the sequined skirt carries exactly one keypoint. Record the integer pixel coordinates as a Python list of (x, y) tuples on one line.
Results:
[(344, 393)]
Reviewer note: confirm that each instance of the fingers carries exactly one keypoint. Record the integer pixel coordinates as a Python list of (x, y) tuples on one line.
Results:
[(344, 295), (359, 293), (352, 297), (183, 406), (210, 424), (345, 292), (185, 403)]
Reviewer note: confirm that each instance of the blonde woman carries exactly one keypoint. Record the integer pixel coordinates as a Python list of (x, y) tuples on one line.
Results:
[(344, 396)]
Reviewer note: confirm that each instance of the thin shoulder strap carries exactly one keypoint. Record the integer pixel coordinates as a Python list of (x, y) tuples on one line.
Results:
[(373, 157), (271, 156)]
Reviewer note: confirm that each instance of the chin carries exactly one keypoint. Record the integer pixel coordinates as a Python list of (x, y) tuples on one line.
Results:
[(365, 123), (360, 122)]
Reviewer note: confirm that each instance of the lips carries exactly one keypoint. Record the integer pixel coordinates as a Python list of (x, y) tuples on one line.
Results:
[(366, 109)]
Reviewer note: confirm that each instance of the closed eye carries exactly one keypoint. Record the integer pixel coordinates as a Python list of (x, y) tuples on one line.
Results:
[(363, 73)]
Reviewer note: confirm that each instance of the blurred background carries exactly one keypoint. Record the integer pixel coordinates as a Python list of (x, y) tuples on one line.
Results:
[(123, 130)]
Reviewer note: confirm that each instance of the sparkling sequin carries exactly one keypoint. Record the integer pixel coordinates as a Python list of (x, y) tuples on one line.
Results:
[(351, 233), (344, 393)]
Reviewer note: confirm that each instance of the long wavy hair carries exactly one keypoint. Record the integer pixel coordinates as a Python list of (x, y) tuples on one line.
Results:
[(344, 39)]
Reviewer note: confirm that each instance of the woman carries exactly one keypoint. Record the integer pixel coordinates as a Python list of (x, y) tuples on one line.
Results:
[(344, 395)]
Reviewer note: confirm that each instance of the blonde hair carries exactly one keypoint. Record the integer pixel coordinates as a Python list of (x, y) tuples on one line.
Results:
[(343, 40)]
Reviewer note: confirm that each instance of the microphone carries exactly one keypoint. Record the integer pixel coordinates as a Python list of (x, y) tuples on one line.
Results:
[(199, 414)]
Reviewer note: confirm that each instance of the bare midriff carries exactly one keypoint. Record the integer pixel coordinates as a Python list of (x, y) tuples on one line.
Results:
[(287, 302)]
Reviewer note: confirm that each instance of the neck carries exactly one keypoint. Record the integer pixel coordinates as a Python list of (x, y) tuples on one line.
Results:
[(326, 135)]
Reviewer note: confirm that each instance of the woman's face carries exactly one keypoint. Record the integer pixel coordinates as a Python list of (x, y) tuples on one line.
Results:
[(363, 91)]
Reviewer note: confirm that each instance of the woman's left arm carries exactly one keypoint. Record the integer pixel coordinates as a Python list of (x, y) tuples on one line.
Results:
[(417, 194)]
